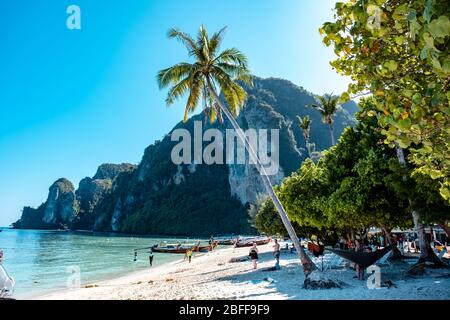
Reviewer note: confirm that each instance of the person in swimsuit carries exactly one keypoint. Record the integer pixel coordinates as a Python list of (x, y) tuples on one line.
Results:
[(253, 253)]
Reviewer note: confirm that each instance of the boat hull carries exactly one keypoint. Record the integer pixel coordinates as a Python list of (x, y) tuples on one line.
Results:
[(250, 243)]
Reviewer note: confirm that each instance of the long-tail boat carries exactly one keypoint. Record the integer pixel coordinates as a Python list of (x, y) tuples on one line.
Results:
[(174, 248), (249, 243)]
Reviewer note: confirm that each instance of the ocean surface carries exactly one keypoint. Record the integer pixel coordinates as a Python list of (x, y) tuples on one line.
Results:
[(44, 261)]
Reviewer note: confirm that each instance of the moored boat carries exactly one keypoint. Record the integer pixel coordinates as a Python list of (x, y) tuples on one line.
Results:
[(249, 243), (174, 248), (226, 242)]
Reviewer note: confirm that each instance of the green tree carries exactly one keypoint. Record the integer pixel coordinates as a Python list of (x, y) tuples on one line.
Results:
[(398, 51), (348, 189), (327, 106), (211, 71)]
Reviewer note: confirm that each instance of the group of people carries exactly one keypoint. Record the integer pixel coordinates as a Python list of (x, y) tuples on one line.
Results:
[(150, 257), (253, 254)]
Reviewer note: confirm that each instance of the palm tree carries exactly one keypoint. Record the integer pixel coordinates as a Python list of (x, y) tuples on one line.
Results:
[(212, 70), (305, 126), (328, 105)]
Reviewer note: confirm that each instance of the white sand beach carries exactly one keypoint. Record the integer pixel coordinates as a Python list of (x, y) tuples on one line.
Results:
[(212, 276)]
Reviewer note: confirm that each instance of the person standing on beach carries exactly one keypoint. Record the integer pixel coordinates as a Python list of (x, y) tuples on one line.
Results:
[(189, 255), (276, 253), (150, 258), (254, 255)]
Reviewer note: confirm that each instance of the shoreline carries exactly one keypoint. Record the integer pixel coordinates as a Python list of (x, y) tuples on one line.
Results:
[(103, 282), (211, 276), (128, 235)]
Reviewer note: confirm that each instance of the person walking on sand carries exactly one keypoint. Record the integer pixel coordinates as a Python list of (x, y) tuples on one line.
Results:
[(253, 253), (189, 255), (276, 253)]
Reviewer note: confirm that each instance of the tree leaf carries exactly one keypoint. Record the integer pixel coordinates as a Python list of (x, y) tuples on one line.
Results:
[(440, 28)]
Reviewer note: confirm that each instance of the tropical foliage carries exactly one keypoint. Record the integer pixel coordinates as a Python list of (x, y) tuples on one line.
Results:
[(356, 185), (398, 52), (210, 69)]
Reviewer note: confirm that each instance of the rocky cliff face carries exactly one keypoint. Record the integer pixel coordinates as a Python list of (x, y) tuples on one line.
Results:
[(58, 211), (161, 198), (67, 208)]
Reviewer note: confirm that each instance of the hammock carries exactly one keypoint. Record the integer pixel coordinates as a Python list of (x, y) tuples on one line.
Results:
[(364, 259)]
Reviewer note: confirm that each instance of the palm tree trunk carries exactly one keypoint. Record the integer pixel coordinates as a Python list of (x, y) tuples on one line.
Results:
[(307, 264), (426, 253), (308, 147), (333, 141)]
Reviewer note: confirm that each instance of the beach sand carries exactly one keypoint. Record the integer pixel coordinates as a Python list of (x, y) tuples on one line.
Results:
[(211, 276)]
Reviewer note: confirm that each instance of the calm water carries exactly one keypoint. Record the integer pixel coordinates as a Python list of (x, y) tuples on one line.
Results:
[(39, 260)]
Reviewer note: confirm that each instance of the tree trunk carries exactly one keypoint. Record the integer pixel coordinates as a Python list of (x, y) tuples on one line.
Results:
[(445, 227), (426, 253), (307, 264), (308, 147), (333, 141), (396, 254)]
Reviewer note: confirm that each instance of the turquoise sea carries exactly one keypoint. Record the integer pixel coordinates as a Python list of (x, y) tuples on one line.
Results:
[(43, 261)]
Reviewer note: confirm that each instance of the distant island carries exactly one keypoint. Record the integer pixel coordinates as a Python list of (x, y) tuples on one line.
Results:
[(158, 197)]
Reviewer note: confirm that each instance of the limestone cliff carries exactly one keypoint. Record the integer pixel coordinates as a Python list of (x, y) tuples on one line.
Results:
[(160, 198)]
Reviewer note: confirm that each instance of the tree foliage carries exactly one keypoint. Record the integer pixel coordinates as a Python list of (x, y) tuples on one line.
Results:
[(356, 185), (398, 51), (211, 67)]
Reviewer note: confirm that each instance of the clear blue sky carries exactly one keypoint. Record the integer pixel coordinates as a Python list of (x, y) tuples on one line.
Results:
[(73, 99)]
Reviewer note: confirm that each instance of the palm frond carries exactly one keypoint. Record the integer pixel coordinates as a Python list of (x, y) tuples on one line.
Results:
[(196, 90), (174, 74), (216, 41), (232, 55), (178, 90), (175, 33)]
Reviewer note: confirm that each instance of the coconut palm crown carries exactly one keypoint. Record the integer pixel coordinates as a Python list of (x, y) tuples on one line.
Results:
[(210, 69), (305, 126), (328, 105)]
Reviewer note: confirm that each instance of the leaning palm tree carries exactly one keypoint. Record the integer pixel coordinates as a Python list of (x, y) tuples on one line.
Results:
[(215, 72), (328, 105)]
